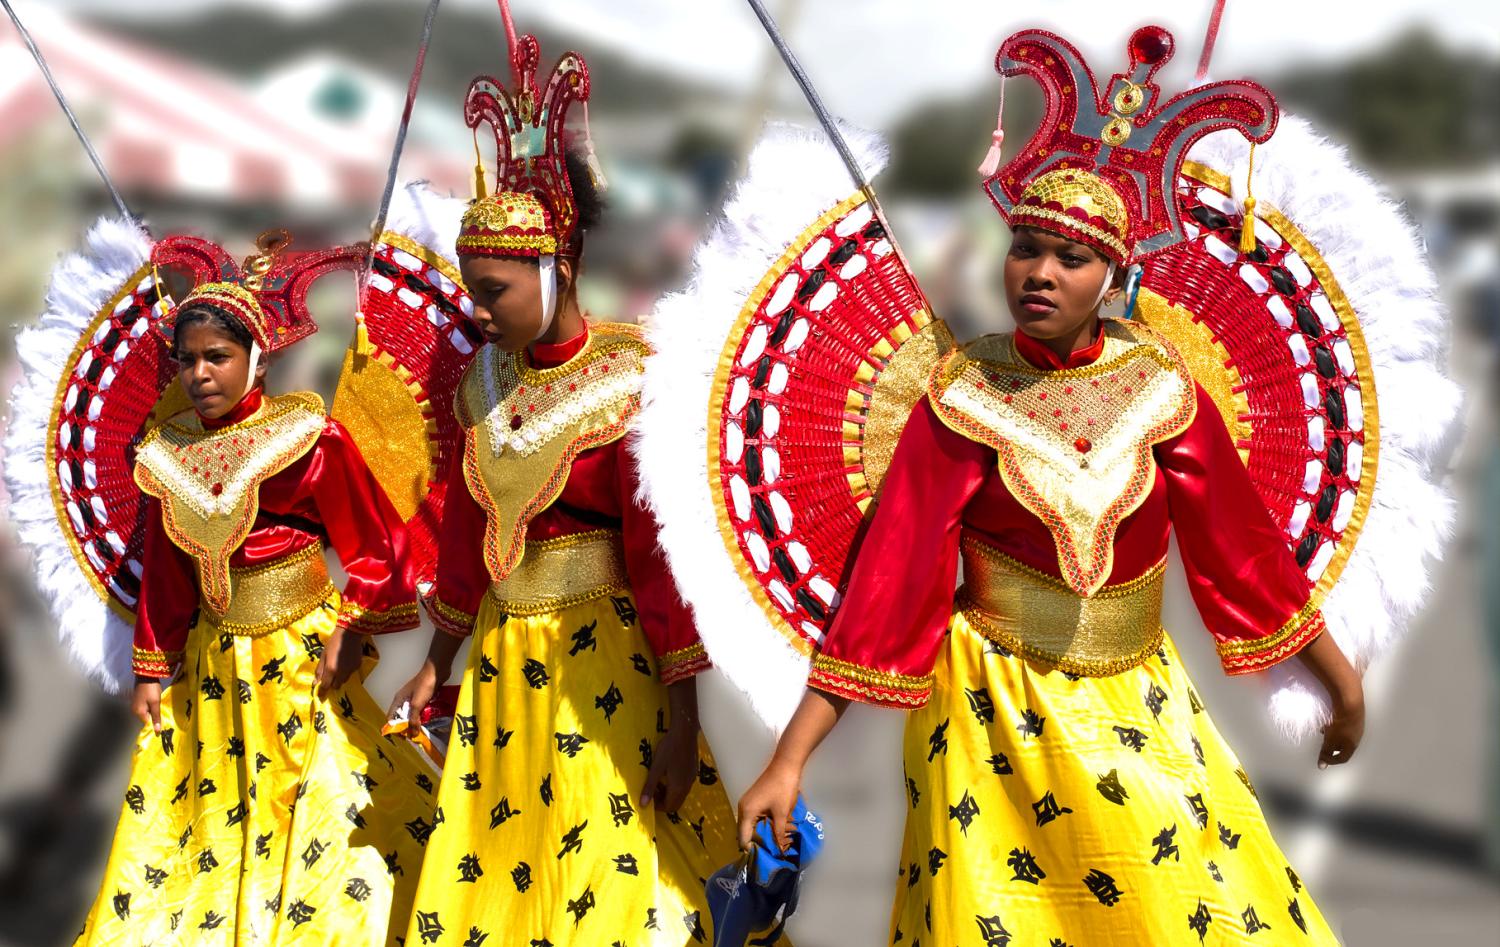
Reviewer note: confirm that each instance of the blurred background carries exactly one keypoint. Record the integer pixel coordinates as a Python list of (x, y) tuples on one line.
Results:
[(224, 118)]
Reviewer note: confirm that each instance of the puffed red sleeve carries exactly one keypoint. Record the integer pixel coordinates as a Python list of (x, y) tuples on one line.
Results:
[(665, 618), (884, 639), (462, 578), (169, 597), (1244, 579), (368, 535)]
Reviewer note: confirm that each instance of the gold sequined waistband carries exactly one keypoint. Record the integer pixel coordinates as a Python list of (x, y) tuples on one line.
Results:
[(1040, 618), (274, 594), (554, 574)]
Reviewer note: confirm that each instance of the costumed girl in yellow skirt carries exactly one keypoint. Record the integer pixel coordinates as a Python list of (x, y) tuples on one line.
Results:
[(264, 806), (1063, 782), (579, 804)]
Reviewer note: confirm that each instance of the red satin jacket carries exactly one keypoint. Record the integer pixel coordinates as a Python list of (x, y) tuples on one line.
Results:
[(599, 493), (1244, 579), (328, 495)]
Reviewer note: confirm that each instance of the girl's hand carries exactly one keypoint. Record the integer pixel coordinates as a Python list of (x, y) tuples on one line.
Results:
[(145, 701), (417, 692), (674, 762), (674, 767), (341, 657), (1346, 694), (1347, 727), (773, 796)]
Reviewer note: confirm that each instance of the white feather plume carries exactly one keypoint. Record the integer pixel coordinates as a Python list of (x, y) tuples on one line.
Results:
[(97, 640), (1376, 255), (431, 219), (794, 177)]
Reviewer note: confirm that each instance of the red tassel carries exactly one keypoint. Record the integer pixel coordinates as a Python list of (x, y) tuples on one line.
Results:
[(991, 162)]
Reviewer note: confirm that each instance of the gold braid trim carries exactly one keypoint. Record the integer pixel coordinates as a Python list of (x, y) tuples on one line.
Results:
[(525, 427), (682, 664), (1139, 392), (1046, 215), (1246, 657), (374, 621), (453, 621), (209, 481), (154, 663), (868, 684)]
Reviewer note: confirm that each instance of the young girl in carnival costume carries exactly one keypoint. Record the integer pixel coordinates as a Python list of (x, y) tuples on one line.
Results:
[(579, 804), (263, 804), (1064, 784)]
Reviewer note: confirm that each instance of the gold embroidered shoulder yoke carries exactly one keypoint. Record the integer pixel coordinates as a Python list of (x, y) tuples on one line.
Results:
[(1073, 445), (525, 426), (209, 481)]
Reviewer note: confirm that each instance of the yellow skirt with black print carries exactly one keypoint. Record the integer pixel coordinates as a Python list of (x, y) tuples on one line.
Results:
[(262, 814), (541, 838), (1097, 804)]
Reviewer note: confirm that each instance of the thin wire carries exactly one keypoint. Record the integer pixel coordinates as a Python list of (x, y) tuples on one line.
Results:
[(390, 176), (1209, 39), (72, 119), (825, 118)]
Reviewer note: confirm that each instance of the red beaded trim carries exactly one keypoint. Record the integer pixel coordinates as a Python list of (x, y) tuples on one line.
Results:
[(1258, 654), (159, 664), (375, 621), (682, 664), (446, 618), (869, 685)]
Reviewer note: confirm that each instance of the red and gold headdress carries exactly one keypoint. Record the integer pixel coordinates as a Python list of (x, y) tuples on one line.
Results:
[(1101, 168), (532, 212), (267, 293)]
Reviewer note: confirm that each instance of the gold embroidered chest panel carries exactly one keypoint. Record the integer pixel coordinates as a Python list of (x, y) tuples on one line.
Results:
[(208, 481), (524, 427), (1074, 446)]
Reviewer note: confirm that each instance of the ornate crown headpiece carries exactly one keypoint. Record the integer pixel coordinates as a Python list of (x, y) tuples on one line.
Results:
[(532, 212), (1101, 168), (268, 292)]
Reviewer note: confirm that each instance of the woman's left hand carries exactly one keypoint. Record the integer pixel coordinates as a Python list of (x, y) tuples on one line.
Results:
[(674, 768), (341, 657), (674, 762)]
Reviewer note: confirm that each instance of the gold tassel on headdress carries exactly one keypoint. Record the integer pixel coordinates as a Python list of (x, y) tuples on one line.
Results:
[(481, 188), (1247, 222)]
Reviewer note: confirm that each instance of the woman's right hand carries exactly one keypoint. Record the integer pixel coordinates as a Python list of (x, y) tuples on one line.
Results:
[(145, 701), (773, 796), (417, 692)]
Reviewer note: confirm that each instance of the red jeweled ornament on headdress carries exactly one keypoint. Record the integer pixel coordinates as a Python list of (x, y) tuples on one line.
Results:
[(1120, 137), (268, 293), (532, 212)]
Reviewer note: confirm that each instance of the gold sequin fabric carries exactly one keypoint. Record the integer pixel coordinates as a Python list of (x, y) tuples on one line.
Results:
[(273, 594), (507, 221), (557, 573), (524, 427), (263, 814), (1049, 808), (209, 481), (1078, 200), (1042, 619), (1074, 446)]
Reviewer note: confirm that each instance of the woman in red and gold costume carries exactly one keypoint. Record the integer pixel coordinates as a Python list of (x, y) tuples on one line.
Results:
[(579, 802), (1064, 784), (264, 804)]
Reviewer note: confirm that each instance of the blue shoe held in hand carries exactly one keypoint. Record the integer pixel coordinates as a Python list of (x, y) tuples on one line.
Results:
[(753, 896)]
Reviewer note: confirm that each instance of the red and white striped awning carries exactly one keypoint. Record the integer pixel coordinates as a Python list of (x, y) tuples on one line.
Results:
[(166, 126)]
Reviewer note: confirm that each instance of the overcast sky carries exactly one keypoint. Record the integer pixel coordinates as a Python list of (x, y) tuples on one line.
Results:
[(871, 59)]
